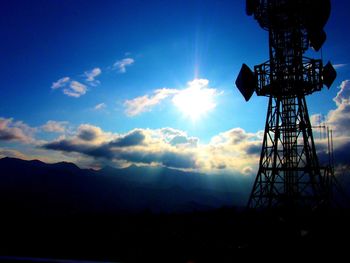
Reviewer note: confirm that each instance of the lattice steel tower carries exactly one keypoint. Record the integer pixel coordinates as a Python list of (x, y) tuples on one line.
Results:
[(289, 173)]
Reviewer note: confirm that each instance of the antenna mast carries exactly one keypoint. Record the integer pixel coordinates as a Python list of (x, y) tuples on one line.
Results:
[(289, 173)]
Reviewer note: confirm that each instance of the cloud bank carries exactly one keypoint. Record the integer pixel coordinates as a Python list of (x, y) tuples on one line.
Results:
[(168, 147)]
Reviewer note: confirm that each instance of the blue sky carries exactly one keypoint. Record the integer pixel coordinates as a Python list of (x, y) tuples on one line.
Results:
[(115, 69)]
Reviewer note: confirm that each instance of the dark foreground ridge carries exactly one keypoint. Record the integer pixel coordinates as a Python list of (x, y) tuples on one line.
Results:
[(222, 235), (39, 221)]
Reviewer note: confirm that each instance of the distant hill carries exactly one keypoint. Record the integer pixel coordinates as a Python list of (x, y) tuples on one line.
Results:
[(37, 188)]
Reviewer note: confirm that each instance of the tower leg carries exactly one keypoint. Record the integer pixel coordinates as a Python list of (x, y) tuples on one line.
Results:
[(289, 172)]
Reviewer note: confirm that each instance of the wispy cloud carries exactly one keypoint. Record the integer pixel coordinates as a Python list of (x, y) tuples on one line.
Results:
[(55, 126), (122, 64), (4, 152), (75, 89), (91, 75), (100, 106), (338, 66), (60, 83), (146, 102)]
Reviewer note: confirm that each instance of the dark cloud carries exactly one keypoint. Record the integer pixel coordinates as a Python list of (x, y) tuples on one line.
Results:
[(341, 154), (219, 166), (101, 151), (15, 131), (8, 135), (65, 146), (133, 138), (253, 149), (178, 160), (120, 150), (237, 135), (167, 158), (87, 135), (182, 139)]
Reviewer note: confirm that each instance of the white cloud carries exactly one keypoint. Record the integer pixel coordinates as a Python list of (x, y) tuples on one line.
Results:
[(76, 89), (197, 98), (60, 83), (145, 103), (339, 118), (92, 74), (92, 134), (100, 106), (16, 131), (316, 119), (343, 94), (55, 126), (177, 137), (122, 64)]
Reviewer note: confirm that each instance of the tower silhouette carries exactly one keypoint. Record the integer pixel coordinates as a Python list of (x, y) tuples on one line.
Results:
[(289, 173)]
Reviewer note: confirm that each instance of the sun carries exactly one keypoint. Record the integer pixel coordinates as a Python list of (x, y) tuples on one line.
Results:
[(196, 100)]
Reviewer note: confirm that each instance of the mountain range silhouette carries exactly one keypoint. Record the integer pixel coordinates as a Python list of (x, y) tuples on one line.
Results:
[(36, 188)]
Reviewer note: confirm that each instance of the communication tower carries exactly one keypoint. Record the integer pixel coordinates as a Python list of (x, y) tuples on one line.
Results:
[(289, 173)]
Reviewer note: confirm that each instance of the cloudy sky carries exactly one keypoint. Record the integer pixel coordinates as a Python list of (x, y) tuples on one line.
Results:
[(147, 83)]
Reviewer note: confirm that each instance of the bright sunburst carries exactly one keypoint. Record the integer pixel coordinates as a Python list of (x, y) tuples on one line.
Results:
[(195, 100)]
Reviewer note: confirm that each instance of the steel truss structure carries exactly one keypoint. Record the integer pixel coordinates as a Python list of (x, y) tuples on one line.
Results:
[(289, 173)]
